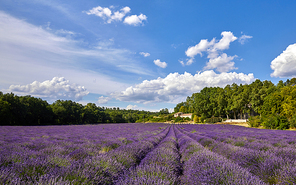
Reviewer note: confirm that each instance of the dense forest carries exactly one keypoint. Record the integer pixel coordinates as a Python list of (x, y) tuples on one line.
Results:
[(264, 103), (28, 110)]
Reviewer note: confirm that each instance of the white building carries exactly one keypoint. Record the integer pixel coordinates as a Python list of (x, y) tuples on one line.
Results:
[(182, 115), (178, 114), (186, 115)]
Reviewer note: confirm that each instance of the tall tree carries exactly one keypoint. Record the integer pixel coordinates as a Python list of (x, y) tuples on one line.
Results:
[(67, 112), (289, 101)]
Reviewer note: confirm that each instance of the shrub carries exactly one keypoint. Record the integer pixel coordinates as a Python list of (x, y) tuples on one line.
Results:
[(196, 119), (213, 120), (276, 122), (169, 117), (203, 118), (255, 121), (161, 119), (186, 119), (293, 122), (178, 119)]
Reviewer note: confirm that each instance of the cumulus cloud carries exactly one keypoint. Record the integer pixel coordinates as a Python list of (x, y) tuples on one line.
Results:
[(227, 38), (244, 38), (57, 88), (284, 65), (222, 63), (100, 12), (106, 13), (131, 107), (214, 50), (145, 54), (104, 100), (119, 15), (202, 46), (135, 20), (109, 15), (176, 87), (160, 64)]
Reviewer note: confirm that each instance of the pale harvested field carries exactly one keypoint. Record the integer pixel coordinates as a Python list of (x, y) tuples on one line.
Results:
[(234, 123)]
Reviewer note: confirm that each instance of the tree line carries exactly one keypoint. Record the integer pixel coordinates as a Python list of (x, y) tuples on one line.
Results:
[(28, 110), (266, 104)]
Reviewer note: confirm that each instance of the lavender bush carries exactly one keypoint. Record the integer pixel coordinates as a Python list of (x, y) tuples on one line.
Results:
[(160, 166), (201, 166), (269, 162), (153, 153)]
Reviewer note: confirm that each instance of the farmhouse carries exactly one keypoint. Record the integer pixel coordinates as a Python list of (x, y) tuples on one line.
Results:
[(178, 114), (182, 115), (186, 115)]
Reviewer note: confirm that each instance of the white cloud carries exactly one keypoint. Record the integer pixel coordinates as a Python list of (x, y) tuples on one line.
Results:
[(104, 100), (244, 38), (57, 88), (189, 61), (176, 87), (202, 46), (214, 50), (100, 12), (30, 53), (21, 40), (109, 16), (145, 54), (160, 64), (65, 32), (135, 20), (284, 65), (48, 26), (106, 13), (181, 62), (227, 38), (119, 15), (131, 107), (222, 63)]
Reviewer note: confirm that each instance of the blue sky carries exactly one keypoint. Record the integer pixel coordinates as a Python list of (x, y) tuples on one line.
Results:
[(145, 55)]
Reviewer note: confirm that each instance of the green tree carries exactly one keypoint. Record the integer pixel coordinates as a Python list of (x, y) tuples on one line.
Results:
[(13, 110), (273, 104), (116, 117), (276, 122), (289, 101), (164, 111), (221, 102), (37, 111), (182, 109), (5, 113), (67, 112), (92, 114), (236, 101), (228, 100)]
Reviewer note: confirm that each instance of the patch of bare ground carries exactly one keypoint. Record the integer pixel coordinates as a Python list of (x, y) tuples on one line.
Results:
[(244, 124)]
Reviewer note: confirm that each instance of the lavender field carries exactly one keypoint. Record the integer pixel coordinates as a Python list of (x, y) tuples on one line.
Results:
[(151, 153)]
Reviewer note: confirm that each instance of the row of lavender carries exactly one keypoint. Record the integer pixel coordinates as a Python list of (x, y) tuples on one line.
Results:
[(202, 166), (269, 154), (179, 159), (91, 154), (146, 154)]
